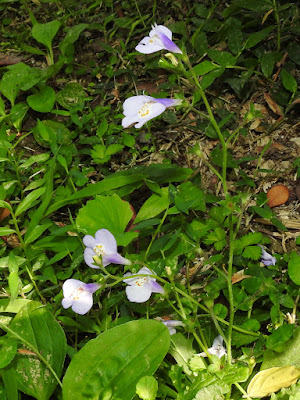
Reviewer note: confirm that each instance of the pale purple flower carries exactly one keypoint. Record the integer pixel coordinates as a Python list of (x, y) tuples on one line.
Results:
[(78, 295), (266, 258), (160, 38), (171, 324), (140, 109), (217, 348), (141, 288), (103, 249)]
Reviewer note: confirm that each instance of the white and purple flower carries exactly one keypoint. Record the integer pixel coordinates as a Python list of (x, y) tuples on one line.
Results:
[(102, 249), (217, 348), (171, 324), (140, 109), (160, 38), (78, 295), (140, 288), (266, 258)]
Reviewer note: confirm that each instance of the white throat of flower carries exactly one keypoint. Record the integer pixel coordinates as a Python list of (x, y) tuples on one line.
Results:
[(77, 293), (99, 250), (141, 281), (145, 110)]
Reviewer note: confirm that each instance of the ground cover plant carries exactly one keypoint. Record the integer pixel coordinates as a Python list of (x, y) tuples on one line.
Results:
[(149, 200)]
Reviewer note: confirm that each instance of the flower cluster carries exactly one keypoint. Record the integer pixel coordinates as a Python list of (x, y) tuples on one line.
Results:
[(140, 109), (101, 251)]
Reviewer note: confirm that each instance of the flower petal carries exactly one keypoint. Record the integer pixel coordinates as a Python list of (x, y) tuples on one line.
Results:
[(169, 102), (218, 341), (66, 302), (91, 287), (149, 48), (83, 305), (88, 257), (89, 241), (114, 259), (138, 294), (155, 287), (169, 44), (107, 240), (134, 103), (70, 285), (145, 271), (160, 29)]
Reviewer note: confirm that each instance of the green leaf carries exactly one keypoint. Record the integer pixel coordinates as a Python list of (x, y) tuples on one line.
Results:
[(252, 252), (223, 58), (147, 387), (290, 355), (288, 81), (47, 132), (6, 231), (182, 350), (258, 37), (217, 238), (35, 324), (189, 197), (8, 349), (71, 95), (209, 78), (204, 67), (110, 366), (71, 37), (271, 380), (44, 33), (17, 114), (29, 200), (154, 205), (279, 336), (43, 101), (108, 212), (267, 62), (13, 284), (18, 77), (8, 306), (294, 267)]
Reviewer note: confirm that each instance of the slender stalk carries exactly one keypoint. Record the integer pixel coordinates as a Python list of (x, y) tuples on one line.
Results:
[(278, 24), (230, 291), (212, 120), (156, 232)]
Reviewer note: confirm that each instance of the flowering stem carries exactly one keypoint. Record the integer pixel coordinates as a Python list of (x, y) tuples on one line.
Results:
[(212, 120), (156, 232), (229, 284)]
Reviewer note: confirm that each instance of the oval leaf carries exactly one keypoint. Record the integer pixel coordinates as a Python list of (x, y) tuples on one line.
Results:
[(35, 324), (8, 349), (294, 268), (277, 195), (270, 380), (29, 200), (111, 365)]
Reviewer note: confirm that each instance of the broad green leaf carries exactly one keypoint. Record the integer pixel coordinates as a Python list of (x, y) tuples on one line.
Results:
[(37, 232), (6, 231), (47, 132), (8, 349), (204, 67), (290, 355), (18, 77), (108, 212), (189, 197), (29, 200), (279, 336), (39, 158), (223, 58), (13, 284), (209, 78), (288, 81), (110, 366), (44, 33), (267, 62), (71, 95), (17, 114), (252, 252), (10, 384), (254, 5), (257, 37), (271, 380), (35, 324), (182, 351), (154, 205), (71, 37), (8, 306), (147, 387), (4, 261), (43, 101), (294, 267)]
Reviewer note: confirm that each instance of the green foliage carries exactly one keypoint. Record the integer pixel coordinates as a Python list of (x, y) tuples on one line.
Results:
[(115, 360)]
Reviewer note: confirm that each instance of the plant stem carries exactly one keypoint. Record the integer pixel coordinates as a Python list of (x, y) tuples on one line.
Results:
[(229, 285)]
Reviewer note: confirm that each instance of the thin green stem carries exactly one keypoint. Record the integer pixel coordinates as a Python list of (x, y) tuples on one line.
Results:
[(212, 121), (275, 8), (230, 291), (155, 233), (242, 390), (33, 348)]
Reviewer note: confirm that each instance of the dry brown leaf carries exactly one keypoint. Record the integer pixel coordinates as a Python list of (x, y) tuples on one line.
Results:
[(4, 212), (239, 276), (277, 195), (273, 106)]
